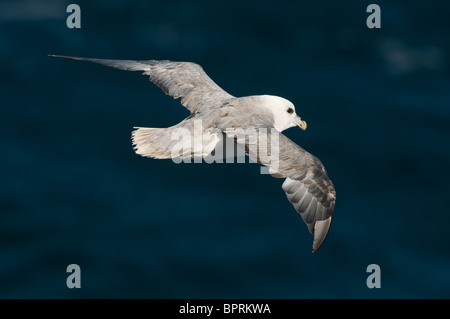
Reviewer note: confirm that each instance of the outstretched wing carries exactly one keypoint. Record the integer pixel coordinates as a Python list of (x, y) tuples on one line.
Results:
[(307, 185), (177, 79)]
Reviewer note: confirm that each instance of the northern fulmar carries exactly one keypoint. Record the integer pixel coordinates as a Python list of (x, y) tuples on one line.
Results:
[(306, 184)]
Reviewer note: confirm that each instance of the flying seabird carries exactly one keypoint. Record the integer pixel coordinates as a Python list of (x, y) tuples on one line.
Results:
[(306, 184)]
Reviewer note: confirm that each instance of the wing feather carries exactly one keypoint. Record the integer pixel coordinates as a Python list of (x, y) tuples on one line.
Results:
[(307, 185), (178, 79)]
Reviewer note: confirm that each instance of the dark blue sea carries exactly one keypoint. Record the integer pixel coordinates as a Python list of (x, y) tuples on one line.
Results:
[(72, 190)]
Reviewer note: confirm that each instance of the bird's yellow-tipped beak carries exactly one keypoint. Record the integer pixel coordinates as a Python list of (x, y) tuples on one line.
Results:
[(298, 121)]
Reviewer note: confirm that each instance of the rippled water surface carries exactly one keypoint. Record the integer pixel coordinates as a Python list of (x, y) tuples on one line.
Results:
[(377, 103)]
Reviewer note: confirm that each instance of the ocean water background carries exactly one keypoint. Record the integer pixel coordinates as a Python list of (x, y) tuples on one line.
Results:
[(377, 103)]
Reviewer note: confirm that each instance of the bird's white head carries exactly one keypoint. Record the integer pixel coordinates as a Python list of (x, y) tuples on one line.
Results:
[(283, 112)]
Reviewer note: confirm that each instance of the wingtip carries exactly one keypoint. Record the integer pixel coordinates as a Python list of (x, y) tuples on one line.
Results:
[(65, 57), (57, 56), (321, 228)]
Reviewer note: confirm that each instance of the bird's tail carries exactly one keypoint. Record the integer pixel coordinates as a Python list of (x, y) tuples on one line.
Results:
[(179, 141), (152, 142)]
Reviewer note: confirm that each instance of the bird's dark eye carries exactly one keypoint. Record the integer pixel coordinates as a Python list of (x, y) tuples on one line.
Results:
[(290, 110)]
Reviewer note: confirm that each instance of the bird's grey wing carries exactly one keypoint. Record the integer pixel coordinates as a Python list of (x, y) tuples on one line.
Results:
[(178, 79), (307, 185)]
